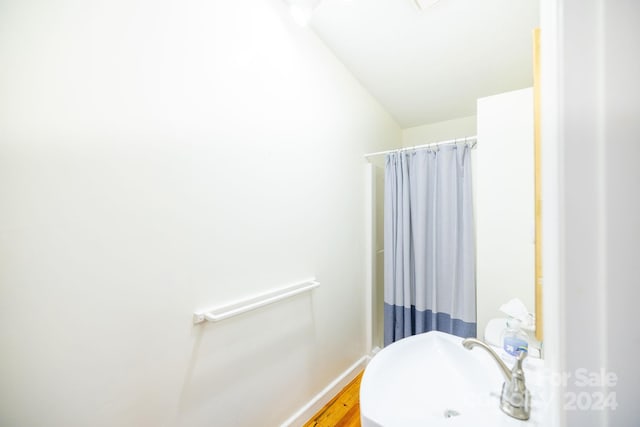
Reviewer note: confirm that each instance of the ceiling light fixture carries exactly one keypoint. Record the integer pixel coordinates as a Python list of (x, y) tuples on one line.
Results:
[(424, 4)]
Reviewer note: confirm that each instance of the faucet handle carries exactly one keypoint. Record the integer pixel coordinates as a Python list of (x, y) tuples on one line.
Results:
[(517, 372), (522, 354)]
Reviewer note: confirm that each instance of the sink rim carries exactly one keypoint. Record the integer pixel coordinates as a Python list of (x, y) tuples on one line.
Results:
[(478, 377)]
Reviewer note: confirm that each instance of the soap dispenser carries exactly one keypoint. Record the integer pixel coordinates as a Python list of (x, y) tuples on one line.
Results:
[(514, 340)]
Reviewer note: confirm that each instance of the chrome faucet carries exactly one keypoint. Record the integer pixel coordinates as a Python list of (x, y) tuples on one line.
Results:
[(515, 398)]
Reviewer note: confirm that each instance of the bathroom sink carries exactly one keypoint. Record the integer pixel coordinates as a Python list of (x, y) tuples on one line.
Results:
[(431, 379)]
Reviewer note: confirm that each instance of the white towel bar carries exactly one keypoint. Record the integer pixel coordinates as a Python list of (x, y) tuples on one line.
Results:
[(239, 307)]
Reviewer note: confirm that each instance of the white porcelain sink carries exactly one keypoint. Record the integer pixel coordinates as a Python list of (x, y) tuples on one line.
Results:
[(432, 380)]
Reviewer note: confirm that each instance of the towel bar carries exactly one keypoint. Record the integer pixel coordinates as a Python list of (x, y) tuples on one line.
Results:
[(233, 309)]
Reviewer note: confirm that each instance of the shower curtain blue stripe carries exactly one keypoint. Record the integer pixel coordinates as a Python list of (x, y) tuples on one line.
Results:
[(410, 321), (429, 257)]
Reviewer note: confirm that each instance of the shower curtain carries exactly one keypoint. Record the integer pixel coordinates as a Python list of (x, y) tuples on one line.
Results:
[(429, 256)]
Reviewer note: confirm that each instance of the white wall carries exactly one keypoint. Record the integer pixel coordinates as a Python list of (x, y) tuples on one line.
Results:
[(439, 131), (157, 158), (504, 207), (591, 203)]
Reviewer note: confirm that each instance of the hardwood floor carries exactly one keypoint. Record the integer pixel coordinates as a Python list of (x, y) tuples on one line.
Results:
[(343, 410)]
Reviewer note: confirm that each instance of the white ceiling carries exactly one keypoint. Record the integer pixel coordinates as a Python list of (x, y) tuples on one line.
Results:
[(431, 65)]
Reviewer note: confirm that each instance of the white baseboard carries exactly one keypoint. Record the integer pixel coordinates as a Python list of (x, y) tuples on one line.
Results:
[(305, 413)]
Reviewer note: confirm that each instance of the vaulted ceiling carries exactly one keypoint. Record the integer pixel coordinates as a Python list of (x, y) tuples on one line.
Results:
[(431, 64)]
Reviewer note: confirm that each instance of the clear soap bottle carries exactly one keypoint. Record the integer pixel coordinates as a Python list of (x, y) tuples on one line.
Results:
[(514, 340)]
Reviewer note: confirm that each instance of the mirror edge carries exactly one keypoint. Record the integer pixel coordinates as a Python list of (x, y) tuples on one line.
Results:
[(537, 183)]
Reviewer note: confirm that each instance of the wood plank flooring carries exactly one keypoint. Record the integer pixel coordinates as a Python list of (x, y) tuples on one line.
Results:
[(343, 410)]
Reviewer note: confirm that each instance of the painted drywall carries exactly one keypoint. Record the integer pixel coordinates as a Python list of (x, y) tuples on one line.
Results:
[(162, 157), (378, 295), (591, 208), (439, 131), (431, 65), (504, 203)]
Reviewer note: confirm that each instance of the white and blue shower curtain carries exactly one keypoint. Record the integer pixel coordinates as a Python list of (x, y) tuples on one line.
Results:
[(429, 256)]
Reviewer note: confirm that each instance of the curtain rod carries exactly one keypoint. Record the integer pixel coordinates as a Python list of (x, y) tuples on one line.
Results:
[(449, 141)]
